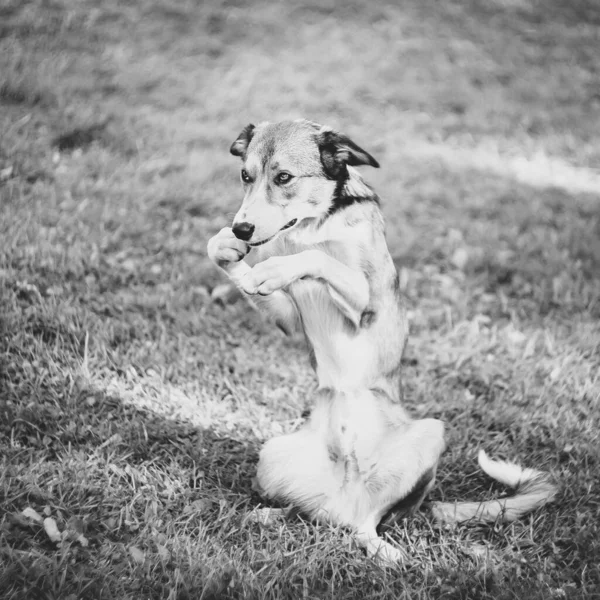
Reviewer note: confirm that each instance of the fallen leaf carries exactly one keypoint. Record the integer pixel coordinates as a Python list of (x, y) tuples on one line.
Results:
[(163, 553), (129, 264), (6, 173), (32, 514), (515, 337), (54, 290), (460, 258), (52, 530), (137, 555)]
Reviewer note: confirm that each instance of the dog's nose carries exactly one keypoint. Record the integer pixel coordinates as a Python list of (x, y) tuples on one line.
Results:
[(243, 231)]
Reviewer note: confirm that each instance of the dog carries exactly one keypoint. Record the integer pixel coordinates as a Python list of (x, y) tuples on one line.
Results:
[(307, 248)]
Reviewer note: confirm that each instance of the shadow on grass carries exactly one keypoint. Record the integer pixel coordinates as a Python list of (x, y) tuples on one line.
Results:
[(165, 509), (151, 494)]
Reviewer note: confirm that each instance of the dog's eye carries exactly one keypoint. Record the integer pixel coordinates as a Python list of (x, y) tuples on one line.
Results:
[(283, 178), (245, 177)]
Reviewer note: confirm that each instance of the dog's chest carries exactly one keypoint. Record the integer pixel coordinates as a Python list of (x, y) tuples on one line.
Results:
[(316, 308), (343, 355)]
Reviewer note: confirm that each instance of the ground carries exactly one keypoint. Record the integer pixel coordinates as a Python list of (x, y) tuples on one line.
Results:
[(132, 405)]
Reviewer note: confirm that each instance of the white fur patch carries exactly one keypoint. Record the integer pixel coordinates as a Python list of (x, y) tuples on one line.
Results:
[(508, 473), (355, 185)]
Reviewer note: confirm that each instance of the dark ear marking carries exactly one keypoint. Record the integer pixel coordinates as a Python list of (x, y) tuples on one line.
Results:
[(338, 151), (239, 147)]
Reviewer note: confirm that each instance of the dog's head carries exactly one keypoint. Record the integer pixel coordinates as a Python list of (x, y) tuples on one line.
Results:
[(290, 172)]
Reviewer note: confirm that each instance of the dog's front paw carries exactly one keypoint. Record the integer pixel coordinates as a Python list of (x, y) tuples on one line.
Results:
[(272, 274), (225, 248)]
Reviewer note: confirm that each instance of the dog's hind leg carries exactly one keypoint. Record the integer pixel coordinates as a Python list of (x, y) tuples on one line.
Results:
[(296, 468), (402, 475), (406, 460), (408, 505)]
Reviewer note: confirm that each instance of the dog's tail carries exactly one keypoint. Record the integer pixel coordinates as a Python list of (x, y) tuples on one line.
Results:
[(532, 489)]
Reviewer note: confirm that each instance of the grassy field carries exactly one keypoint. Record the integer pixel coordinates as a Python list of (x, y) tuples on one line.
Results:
[(132, 405)]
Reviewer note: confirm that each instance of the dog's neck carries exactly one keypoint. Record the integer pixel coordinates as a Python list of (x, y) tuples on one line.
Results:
[(356, 187), (351, 189)]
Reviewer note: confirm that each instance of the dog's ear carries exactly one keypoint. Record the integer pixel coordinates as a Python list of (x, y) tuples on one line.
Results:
[(239, 147), (338, 151)]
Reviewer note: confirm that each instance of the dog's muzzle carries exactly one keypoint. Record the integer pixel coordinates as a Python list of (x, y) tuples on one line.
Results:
[(287, 226)]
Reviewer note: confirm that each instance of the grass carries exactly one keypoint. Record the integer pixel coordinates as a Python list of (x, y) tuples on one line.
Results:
[(133, 406)]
